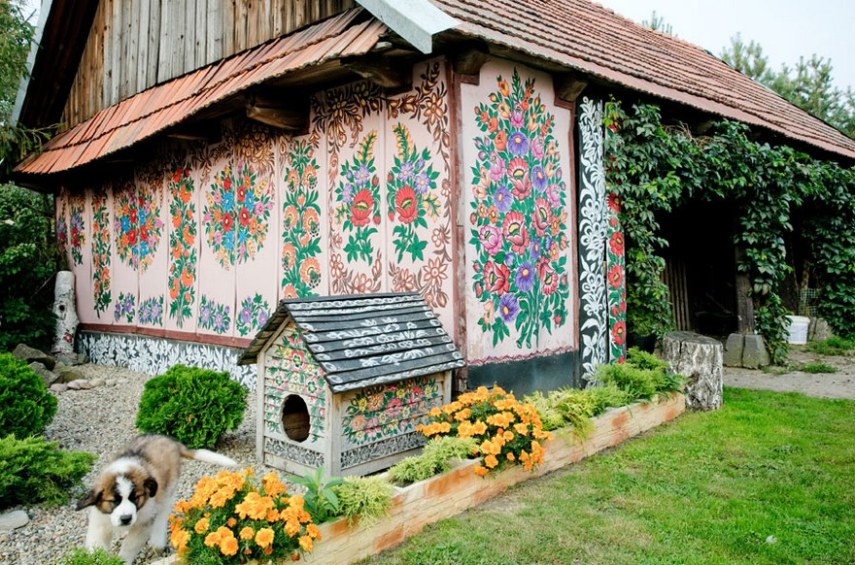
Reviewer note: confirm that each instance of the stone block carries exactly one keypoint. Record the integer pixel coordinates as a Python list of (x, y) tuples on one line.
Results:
[(733, 350), (754, 353), (31, 354), (819, 330), (48, 376), (13, 520)]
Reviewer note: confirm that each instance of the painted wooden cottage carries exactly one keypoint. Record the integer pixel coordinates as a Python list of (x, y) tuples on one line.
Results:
[(219, 156), (344, 381)]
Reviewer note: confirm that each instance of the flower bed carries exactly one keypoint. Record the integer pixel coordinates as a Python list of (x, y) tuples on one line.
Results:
[(417, 505)]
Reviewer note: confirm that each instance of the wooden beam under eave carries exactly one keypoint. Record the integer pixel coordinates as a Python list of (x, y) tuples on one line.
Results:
[(382, 71), (292, 118), (469, 61), (568, 87)]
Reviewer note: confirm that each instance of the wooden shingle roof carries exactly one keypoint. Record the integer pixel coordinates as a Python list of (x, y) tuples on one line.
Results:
[(366, 340)]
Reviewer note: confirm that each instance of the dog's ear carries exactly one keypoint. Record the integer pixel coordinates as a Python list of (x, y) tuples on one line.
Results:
[(88, 500), (150, 486)]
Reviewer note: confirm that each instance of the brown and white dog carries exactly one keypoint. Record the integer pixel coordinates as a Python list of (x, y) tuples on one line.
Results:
[(135, 492)]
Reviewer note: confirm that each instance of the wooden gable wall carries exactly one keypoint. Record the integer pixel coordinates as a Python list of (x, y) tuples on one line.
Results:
[(135, 44)]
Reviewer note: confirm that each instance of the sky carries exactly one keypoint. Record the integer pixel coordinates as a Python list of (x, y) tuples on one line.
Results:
[(785, 29)]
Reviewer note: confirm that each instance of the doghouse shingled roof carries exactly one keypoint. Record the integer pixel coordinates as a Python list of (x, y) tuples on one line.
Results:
[(362, 341)]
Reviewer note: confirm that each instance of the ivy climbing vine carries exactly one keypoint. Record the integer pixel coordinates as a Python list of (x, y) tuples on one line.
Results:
[(654, 167)]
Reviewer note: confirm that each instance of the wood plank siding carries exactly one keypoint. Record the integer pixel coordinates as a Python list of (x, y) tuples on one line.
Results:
[(136, 44)]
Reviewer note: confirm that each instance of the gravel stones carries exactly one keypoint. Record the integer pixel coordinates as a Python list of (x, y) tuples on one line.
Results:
[(101, 421)]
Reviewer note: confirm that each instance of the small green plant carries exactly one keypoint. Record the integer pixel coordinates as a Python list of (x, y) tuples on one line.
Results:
[(80, 556), (320, 497), (607, 396), (549, 415), (833, 346), (365, 498), (26, 406), (816, 368), (640, 384), (33, 470), (645, 360), (195, 406), (436, 457)]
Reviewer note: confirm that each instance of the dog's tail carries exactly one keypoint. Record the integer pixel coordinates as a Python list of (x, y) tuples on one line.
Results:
[(207, 456)]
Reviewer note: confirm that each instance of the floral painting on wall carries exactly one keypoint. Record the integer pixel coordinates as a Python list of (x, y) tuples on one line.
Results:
[(137, 225), (518, 221), (615, 274), (183, 254)]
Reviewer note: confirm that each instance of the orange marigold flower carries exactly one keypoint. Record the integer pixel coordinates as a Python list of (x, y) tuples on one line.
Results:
[(231, 522), (272, 485), (201, 526), (313, 531), (491, 461), (479, 427), (306, 543), (435, 412), (510, 456), (229, 546), (463, 415), (522, 429), (508, 435), (464, 429), (179, 538), (247, 533), (297, 501), (264, 537), (481, 471), (292, 528)]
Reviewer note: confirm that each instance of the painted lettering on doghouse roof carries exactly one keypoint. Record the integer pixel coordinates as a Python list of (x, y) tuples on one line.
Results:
[(362, 341)]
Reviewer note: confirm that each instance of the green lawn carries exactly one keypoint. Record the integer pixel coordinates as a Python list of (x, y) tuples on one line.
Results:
[(769, 478)]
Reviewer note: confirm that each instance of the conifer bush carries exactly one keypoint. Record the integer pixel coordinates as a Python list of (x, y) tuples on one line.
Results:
[(195, 406), (26, 405)]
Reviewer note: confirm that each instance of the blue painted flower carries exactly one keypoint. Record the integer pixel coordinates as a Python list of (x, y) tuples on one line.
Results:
[(347, 193), (219, 322), (363, 175), (422, 183), (503, 199), (518, 144), (508, 307), (228, 200), (205, 313), (125, 221), (405, 171), (538, 178), (229, 240), (262, 318), (525, 277), (245, 314)]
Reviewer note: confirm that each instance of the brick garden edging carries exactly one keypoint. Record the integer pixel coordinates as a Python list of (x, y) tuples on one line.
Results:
[(449, 494)]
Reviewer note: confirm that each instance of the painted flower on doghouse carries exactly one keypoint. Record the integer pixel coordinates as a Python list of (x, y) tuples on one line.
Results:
[(78, 237), (182, 245), (137, 226), (357, 199), (410, 186), (254, 313), (301, 222), (518, 219), (386, 411), (236, 214), (507, 431), (236, 518)]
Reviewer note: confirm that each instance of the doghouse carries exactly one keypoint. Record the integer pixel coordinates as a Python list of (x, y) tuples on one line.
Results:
[(343, 381)]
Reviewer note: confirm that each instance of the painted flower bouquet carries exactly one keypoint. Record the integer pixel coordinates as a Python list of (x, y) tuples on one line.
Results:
[(507, 431), (234, 518)]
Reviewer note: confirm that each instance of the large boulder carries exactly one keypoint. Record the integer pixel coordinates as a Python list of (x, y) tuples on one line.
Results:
[(48, 376), (31, 355)]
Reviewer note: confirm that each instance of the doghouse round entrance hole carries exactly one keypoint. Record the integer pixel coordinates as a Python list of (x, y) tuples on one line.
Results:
[(295, 418)]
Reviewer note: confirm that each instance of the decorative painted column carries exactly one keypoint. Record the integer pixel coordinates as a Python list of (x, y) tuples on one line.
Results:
[(593, 223)]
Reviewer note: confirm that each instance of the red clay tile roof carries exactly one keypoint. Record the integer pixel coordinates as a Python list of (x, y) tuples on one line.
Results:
[(590, 38), (160, 107)]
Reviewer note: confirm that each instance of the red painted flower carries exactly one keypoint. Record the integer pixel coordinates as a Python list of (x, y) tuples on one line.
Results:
[(515, 232), (619, 332), (548, 277), (241, 193), (132, 236), (615, 276), (496, 277), (614, 202), (244, 216), (406, 204), (360, 210), (542, 216), (519, 177), (228, 222), (616, 243)]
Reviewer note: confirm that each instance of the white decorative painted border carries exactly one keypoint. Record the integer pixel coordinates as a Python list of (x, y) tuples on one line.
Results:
[(154, 355), (593, 222)]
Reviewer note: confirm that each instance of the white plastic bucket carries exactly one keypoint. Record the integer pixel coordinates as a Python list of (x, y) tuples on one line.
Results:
[(798, 329)]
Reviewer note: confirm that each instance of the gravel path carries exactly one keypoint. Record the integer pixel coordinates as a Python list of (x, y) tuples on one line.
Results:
[(101, 421)]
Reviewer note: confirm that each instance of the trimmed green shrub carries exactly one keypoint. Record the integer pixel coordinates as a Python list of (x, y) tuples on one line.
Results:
[(435, 458), (80, 556), (366, 498), (33, 470), (26, 406), (195, 406), (28, 258)]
